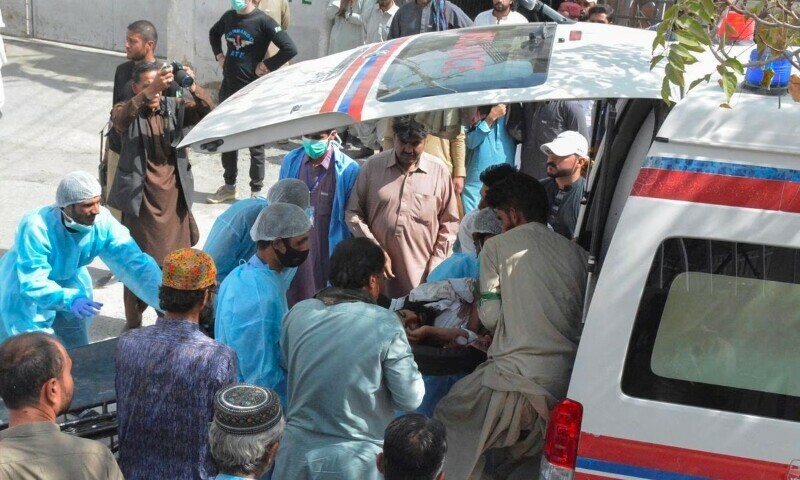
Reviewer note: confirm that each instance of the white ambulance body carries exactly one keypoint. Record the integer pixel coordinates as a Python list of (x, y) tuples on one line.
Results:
[(689, 363)]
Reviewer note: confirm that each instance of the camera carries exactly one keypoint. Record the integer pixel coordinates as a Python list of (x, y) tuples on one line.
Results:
[(181, 77)]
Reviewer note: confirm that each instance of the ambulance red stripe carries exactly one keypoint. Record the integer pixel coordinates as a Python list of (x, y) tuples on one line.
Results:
[(673, 459)]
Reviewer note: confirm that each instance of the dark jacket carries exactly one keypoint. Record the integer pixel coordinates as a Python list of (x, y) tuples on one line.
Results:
[(128, 189)]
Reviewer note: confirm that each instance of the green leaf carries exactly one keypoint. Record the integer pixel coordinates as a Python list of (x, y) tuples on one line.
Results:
[(686, 39), (736, 65), (697, 82), (694, 48), (674, 75), (676, 61), (706, 17), (729, 82), (665, 90), (681, 50), (699, 32), (766, 80), (671, 13), (655, 61), (708, 7), (689, 61)]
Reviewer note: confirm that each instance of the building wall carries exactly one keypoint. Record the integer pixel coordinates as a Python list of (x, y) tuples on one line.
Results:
[(182, 25)]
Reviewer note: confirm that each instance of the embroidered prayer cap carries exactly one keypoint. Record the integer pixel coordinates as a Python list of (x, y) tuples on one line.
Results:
[(76, 187), (189, 269), (290, 190), (244, 409)]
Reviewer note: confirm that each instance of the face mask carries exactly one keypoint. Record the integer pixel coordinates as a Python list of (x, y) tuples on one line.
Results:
[(238, 5), (291, 258), (73, 225), (315, 148)]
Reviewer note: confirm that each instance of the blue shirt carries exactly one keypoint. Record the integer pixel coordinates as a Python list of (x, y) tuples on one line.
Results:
[(250, 306), (167, 376), (350, 366), (229, 241), (45, 270), (457, 265), (346, 170)]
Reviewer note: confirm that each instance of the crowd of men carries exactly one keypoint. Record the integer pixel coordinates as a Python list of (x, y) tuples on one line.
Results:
[(283, 348)]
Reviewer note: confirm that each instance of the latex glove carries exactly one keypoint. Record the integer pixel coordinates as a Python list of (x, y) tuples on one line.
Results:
[(82, 307)]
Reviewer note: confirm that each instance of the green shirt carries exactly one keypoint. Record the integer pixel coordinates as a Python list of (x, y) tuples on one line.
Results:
[(41, 451)]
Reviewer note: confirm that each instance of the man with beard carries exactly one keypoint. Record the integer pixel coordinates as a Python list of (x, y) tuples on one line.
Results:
[(44, 281), (566, 157), (532, 283), (500, 14), (154, 184), (252, 299), (36, 385), (140, 46), (405, 202), (167, 375)]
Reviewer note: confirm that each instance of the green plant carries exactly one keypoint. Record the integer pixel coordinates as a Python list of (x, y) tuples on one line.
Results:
[(690, 28)]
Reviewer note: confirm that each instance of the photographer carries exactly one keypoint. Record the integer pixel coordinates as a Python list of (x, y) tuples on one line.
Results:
[(153, 185)]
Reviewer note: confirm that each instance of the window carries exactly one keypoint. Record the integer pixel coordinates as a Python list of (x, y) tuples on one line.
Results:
[(718, 326), (476, 60)]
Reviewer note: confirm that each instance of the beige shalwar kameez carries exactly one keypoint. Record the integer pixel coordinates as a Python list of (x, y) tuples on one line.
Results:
[(532, 285), (412, 216)]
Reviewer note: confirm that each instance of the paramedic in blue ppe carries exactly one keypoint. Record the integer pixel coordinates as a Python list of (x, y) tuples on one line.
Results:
[(330, 176), (229, 242), (484, 226), (252, 300), (44, 283)]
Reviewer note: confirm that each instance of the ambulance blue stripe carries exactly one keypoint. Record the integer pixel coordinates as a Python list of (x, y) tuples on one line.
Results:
[(344, 105), (722, 168), (601, 466)]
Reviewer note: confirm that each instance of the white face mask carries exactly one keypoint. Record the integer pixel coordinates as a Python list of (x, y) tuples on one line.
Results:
[(73, 225)]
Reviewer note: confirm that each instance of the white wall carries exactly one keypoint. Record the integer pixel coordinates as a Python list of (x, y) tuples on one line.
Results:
[(188, 40), (182, 25)]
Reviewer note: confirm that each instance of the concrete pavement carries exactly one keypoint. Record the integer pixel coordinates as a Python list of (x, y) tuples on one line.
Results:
[(58, 99)]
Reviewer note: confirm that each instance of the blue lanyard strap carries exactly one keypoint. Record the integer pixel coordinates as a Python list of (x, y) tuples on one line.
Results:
[(312, 187)]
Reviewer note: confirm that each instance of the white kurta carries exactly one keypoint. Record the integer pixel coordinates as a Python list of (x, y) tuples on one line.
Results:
[(347, 31), (486, 18), (532, 286)]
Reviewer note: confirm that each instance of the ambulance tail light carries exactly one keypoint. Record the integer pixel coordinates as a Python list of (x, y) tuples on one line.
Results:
[(561, 443)]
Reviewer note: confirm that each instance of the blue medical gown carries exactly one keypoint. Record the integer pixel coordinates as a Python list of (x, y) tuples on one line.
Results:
[(457, 265), (486, 146), (229, 241), (45, 270), (250, 306)]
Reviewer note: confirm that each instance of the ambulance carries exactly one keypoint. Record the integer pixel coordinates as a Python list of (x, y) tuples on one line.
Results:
[(689, 363)]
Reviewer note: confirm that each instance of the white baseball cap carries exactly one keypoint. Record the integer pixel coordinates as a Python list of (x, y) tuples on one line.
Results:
[(567, 143)]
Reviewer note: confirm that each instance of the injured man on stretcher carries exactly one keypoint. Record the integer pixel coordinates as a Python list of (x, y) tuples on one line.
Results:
[(443, 314)]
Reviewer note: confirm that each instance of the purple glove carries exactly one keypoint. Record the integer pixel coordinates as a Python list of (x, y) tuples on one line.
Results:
[(82, 307)]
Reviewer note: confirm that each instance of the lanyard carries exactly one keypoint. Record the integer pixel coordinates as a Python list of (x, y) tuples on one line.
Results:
[(312, 187)]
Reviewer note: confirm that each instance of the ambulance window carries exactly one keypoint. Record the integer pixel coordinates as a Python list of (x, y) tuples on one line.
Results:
[(474, 60), (718, 326)]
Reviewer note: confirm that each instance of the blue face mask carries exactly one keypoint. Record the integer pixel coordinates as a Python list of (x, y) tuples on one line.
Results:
[(315, 148), (238, 5), (73, 225)]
